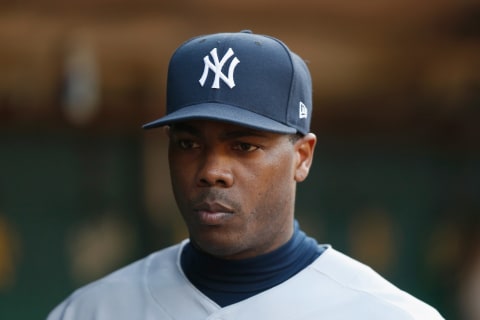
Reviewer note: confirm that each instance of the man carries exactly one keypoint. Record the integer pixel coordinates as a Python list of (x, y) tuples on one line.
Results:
[(239, 107)]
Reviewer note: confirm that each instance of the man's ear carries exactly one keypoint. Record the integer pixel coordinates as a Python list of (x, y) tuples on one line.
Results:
[(304, 149)]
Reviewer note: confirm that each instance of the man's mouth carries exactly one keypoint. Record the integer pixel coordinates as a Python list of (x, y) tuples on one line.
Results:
[(212, 213)]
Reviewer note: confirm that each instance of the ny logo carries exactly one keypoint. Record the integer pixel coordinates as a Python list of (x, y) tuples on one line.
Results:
[(217, 67)]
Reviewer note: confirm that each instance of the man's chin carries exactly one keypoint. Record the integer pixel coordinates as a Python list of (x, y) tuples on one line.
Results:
[(218, 247)]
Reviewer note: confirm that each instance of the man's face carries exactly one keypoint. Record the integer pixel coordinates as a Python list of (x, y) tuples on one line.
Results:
[(235, 186)]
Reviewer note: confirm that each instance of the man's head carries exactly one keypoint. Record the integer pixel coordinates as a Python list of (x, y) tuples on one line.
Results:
[(242, 78), (238, 118)]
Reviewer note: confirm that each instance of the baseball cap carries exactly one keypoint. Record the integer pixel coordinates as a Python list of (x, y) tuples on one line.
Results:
[(241, 78)]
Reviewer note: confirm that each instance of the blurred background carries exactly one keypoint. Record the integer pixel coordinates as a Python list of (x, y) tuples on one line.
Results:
[(395, 184)]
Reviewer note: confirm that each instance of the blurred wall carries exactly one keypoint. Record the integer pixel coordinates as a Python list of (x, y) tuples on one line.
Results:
[(396, 107)]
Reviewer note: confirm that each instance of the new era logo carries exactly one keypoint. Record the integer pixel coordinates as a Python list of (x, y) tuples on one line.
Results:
[(217, 67), (302, 111)]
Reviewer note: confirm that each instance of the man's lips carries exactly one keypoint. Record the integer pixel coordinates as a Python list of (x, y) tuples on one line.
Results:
[(212, 213)]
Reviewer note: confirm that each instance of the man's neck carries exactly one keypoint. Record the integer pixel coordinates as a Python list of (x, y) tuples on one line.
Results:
[(230, 281)]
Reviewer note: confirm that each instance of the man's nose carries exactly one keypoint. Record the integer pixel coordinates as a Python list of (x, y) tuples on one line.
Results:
[(215, 170)]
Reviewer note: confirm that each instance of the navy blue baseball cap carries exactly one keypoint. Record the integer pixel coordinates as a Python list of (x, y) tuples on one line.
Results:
[(241, 78)]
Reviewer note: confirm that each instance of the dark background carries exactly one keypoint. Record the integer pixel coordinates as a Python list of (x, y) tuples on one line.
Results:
[(395, 182)]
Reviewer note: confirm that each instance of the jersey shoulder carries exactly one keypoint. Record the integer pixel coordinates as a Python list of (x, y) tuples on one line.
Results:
[(368, 289), (105, 296)]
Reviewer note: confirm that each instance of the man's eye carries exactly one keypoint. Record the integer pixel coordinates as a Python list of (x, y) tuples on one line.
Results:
[(245, 147), (187, 144)]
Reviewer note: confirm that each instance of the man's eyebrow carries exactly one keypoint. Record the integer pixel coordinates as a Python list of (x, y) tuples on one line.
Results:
[(229, 134), (183, 127), (242, 133)]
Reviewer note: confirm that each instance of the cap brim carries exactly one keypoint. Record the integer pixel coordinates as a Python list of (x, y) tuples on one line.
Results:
[(224, 113)]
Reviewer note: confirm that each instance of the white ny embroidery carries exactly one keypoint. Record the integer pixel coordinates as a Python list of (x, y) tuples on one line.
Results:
[(217, 67)]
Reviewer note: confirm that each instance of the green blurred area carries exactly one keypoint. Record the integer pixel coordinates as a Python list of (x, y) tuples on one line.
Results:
[(50, 184)]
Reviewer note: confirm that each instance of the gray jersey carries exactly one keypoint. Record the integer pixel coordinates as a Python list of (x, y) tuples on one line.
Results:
[(333, 287)]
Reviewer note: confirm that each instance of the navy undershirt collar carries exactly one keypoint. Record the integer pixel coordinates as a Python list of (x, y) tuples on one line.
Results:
[(230, 281)]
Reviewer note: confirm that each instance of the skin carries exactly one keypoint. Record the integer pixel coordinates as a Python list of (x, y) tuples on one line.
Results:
[(235, 186)]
